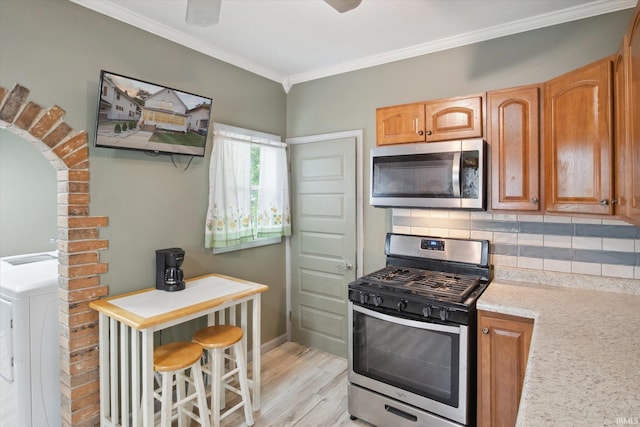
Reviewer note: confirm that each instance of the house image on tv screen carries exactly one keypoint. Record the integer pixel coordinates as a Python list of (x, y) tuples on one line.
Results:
[(116, 104), (164, 110)]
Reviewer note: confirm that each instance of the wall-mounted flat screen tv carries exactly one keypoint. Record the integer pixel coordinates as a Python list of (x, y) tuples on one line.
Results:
[(135, 114)]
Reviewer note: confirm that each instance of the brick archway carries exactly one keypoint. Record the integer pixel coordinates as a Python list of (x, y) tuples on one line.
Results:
[(78, 249)]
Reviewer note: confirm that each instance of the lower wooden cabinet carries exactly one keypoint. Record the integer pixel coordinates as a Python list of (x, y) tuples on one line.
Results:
[(503, 349)]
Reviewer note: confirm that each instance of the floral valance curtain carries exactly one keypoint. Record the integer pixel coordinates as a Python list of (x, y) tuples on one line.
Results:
[(241, 211)]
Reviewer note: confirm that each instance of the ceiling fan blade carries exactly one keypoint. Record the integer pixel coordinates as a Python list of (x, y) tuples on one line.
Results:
[(203, 13), (343, 6)]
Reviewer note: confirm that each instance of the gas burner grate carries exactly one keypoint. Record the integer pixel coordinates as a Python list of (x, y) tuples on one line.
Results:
[(427, 283)]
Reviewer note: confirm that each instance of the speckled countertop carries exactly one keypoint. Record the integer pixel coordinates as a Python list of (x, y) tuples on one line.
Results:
[(584, 361)]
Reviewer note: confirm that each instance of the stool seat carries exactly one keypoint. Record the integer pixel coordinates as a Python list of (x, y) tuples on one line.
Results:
[(218, 336), (219, 340), (176, 356), (171, 361)]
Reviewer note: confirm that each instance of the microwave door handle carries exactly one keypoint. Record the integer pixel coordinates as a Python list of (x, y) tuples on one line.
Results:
[(455, 174)]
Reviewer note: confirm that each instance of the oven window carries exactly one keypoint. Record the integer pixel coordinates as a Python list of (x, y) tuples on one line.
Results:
[(421, 361)]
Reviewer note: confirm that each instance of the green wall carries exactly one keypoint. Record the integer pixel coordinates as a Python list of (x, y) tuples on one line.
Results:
[(57, 49), (348, 101)]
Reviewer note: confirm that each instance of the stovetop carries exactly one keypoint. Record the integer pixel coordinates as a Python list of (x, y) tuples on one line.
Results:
[(424, 283), (427, 277)]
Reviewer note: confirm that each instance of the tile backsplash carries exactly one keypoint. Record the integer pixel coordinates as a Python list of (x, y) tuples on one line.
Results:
[(596, 247)]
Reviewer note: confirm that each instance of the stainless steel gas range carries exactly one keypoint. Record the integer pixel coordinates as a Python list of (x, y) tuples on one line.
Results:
[(412, 351)]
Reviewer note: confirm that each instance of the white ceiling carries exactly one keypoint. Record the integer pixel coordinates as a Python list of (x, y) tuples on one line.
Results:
[(292, 41)]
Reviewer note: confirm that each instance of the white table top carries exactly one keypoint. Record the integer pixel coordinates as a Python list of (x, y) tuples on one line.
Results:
[(150, 307)]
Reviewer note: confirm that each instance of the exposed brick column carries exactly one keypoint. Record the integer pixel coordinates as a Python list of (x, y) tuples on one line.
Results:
[(78, 250)]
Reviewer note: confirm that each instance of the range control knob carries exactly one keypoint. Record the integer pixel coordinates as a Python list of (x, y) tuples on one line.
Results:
[(402, 305), (377, 300), (364, 297), (426, 310), (444, 314)]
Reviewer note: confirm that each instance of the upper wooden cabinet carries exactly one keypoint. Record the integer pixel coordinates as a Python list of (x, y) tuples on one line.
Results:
[(513, 133), (578, 140), (439, 120), (503, 350), (632, 77)]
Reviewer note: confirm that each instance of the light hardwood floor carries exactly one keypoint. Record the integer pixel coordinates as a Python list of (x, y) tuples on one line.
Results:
[(301, 387)]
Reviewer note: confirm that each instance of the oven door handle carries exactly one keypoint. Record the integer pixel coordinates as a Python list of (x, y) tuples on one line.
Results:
[(407, 322)]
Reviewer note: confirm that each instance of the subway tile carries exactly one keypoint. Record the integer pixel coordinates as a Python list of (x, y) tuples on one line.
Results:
[(622, 271), (586, 243), (547, 228), (400, 212), (440, 232), (531, 218), (636, 272), (509, 238), (504, 260), (399, 229), (510, 226), (419, 213), (400, 221), (482, 235), (546, 252), (578, 220), (535, 263), (557, 241), (616, 222), (484, 216), (460, 215), (621, 245), (637, 244), (591, 268), (505, 217), (556, 265), (438, 213), (530, 239), (500, 249), (605, 257), (421, 231), (557, 219), (460, 234)]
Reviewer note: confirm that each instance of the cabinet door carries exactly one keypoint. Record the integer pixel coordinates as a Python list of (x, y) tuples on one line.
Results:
[(400, 124), (578, 140), (503, 350), (453, 118), (632, 53), (621, 141), (513, 133)]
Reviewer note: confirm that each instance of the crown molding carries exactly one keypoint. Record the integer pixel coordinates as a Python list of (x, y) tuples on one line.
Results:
[(533, 23), (113, 10)]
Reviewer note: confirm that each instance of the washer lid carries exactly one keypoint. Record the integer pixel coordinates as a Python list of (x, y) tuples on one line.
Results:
[(20, 280)]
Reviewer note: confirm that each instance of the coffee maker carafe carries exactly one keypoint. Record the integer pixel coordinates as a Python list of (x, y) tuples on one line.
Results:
[(169, 275)]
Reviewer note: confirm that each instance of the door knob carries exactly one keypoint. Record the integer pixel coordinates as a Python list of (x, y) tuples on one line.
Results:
[(346, 266)]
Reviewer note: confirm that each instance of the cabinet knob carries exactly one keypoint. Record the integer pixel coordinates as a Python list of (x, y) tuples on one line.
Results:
[(485, 330), (604, 202), (534, 200), (429, 132), (614, 201), (420, 132)]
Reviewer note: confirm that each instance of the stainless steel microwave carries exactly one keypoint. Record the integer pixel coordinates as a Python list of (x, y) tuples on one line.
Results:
[(449, 175)]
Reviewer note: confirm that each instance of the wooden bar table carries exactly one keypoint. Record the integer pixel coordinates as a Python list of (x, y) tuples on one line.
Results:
[(127, 325)]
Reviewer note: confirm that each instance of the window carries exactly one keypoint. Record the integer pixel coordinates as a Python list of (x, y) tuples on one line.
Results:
[(249, 190)]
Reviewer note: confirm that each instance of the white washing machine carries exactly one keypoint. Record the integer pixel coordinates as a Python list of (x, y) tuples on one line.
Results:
[(29, 362)]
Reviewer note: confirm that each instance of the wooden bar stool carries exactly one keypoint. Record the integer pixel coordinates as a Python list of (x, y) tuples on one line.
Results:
[(171, 360), (217, 339)]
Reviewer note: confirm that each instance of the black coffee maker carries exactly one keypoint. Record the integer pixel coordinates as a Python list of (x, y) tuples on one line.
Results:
[(169, 275)]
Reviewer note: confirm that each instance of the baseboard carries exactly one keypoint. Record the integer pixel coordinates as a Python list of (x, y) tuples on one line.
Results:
[(269, 345)]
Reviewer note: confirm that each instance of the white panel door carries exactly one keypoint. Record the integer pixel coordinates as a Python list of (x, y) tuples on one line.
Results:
[(323, 242)]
